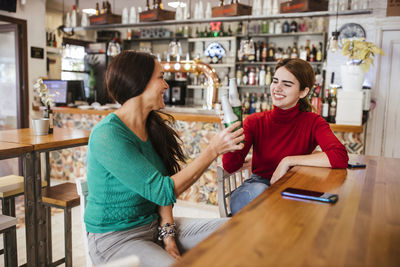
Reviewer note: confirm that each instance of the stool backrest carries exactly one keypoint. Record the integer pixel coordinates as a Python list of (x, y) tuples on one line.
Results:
[(227, 183), (82, 188)]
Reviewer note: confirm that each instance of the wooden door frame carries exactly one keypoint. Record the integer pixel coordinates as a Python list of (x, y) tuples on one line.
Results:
[(375, 129), (22, 69)]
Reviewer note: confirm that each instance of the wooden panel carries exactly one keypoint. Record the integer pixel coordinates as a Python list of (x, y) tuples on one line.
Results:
[(61, 137), (7, 221), (64, 195), (346, 128), (361, 229), (12, 149)]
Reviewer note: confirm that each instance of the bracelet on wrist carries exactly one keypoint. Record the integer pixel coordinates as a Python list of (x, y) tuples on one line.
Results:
[(166, 230)]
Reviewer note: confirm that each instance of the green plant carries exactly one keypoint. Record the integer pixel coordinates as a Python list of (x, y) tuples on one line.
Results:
[(361, 52)]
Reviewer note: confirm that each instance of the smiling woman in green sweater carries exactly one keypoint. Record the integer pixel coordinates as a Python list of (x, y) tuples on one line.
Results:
[(134, 173)]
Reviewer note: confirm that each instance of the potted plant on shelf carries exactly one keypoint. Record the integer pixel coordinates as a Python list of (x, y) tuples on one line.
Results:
[(360, 57)]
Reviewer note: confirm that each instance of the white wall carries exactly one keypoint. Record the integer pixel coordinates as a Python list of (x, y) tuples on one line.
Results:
[(372, 24), (34, 13)]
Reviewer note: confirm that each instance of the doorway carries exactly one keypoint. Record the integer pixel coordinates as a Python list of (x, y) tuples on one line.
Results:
[(384, 132), (14, 96)]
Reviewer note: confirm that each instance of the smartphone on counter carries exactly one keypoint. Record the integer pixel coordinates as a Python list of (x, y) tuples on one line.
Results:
[(356, 165), (310, 195)]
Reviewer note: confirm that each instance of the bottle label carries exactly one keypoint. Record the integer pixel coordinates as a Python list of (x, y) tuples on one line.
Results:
[(238, 112)]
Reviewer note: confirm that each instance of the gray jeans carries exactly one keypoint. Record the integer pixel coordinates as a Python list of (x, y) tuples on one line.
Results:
[(142, 241)]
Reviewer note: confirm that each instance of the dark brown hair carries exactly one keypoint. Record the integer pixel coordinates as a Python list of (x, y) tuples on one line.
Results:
[(304, 73), (127, 76)]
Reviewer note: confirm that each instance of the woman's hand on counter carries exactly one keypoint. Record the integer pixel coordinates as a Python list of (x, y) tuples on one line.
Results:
[(228, 140)]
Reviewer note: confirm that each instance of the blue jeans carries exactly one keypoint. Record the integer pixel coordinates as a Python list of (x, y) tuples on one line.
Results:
[(248, 191)]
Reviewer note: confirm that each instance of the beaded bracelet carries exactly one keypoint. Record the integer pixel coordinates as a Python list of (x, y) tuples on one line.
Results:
[(168, 229)]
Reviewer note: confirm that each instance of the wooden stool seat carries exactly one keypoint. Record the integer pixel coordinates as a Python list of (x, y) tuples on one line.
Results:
[(7, 222), (62, 195), (13, 185), (8, 228)]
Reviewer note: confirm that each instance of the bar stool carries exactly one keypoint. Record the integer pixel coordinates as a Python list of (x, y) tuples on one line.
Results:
[(11, 186), (63, 196), (9, 230)]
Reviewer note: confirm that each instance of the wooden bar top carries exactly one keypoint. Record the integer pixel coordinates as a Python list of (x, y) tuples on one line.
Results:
[(361, 229), (62, 137), (195, 117), (10, 150)]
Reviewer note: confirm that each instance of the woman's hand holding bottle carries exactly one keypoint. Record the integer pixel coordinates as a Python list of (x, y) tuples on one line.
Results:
[(228, 140)]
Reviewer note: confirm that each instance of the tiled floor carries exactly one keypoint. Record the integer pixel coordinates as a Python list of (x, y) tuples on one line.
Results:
[(181, 209)]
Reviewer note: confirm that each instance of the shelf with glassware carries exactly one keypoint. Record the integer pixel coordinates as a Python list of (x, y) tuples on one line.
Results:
[(222, 19)]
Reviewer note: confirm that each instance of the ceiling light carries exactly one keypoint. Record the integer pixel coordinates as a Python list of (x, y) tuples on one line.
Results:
[(176, 4), (89, 11)]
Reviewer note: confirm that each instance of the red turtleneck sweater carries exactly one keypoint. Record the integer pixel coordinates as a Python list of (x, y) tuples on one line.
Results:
[(278, 133)]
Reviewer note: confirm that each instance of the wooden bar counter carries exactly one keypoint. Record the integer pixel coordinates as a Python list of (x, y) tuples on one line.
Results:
[(195, 130), (361, 229)]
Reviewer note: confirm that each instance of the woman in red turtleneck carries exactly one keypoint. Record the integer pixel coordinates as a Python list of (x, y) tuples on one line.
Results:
[(285, 136)]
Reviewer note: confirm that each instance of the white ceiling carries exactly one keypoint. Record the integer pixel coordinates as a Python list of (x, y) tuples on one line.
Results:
[(118, 5)]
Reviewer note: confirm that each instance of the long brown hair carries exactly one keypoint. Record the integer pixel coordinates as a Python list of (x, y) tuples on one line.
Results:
[(304, 73), (127, 77)]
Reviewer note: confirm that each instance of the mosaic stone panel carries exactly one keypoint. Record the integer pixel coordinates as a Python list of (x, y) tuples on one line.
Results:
[(69, 164)]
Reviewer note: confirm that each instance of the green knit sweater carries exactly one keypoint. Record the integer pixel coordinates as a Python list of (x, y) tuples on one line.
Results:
[(126, 179)]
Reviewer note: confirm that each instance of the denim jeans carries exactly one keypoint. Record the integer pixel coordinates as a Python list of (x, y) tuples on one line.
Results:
[(248, 191)]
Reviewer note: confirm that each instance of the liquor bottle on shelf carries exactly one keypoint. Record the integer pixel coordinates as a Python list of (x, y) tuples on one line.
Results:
[(293, 26), (303, 53), (264, 26), (258, 51), (271, 52), (308, 49), (325, 106), (332, 105), (252, 53), (295, 53), (253, 101), (271, 27), (264, 102), (268, 76), (286, 27), (252, 76), (257, 77), (316, 100), (103, 8), (246, 104), (239, 76), (97, 9), (264, 52), (313, 53), (258, 103), (278, 27), (234, 98), (318, 56), (245, 76), (262, 74), (147, 7)]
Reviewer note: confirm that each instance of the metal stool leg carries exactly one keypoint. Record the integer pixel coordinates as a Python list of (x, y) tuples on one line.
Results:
[(10, 247), (8, 206), (49, 249), (68, 237)]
